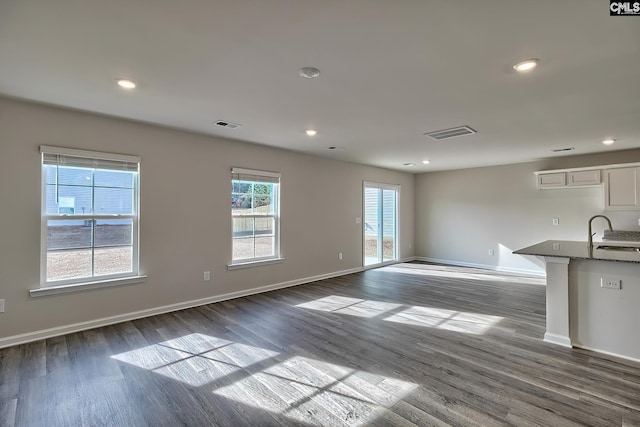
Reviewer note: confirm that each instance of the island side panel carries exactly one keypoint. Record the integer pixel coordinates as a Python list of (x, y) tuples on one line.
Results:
[(557, 301), (602, 319)]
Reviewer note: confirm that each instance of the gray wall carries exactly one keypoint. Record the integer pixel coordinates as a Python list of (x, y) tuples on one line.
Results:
[(185, 214), (461, 214)]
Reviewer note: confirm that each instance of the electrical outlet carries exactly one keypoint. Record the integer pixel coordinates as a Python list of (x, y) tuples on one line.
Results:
[(1, 306), (610, 283), (340, 255), (206, 276), (492, 252), (556, 221)]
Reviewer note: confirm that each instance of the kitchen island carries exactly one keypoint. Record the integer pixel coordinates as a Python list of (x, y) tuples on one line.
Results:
[(581, 311)]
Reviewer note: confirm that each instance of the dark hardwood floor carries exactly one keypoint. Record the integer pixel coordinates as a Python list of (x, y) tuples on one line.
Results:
[(410, 344)]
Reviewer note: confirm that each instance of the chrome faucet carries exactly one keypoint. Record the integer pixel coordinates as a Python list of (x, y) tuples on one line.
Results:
[(591, 234)]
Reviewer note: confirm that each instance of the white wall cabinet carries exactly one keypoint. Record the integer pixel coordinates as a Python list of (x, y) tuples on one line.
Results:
[(622, 189), (583, 178), (563, 179), (552, 180)]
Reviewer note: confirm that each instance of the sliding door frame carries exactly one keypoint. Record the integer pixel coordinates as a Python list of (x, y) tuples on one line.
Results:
[(396, 249)]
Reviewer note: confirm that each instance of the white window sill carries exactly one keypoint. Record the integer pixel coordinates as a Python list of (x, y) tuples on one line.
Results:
[(78, 287), (250, 264)]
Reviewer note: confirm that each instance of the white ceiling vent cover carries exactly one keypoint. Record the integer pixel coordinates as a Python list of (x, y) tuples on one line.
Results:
[(439, 135), (226, 124)]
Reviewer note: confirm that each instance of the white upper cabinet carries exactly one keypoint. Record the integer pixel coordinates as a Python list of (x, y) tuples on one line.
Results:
[(583, 178), (552, 180), (569, 178), (622, 188)]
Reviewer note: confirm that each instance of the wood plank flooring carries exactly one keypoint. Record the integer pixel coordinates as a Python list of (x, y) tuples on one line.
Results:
[(412, 344)]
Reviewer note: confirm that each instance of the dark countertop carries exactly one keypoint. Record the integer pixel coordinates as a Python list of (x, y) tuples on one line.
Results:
[(578, 250)]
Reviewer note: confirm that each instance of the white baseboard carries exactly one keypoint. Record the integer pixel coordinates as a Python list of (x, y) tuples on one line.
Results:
[(538, 273), (557, 339), (608, 353), (83, 326), (566, 342)]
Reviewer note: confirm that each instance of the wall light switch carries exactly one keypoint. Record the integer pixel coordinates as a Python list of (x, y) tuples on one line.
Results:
[(556, 221), (206, 276), (492, 252), (359, 220)]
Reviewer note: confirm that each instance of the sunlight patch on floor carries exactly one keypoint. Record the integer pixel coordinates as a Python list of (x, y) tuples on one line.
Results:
[(319, 393), (431, 317), (195, 359), (459, 273), (450, 320), (350, 306), (301, 388)]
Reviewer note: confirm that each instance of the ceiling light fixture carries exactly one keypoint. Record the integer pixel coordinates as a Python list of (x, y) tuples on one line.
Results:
[(608, 141), (126, 84), (526, 65), (426, 162), (311, 132), (309, 72)]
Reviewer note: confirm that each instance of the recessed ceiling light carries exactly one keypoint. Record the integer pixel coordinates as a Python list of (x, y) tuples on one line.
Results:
[(526, 65), (408, 164), (608, 141), (311, 132), (309, 72), (426, 162), (127, 84)]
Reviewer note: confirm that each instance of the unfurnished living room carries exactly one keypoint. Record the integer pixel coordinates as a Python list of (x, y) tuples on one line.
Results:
[(319, 213)]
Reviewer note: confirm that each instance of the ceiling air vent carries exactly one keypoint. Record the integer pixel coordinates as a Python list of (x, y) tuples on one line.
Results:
[(439, 135), (228, 125), (559, 150)]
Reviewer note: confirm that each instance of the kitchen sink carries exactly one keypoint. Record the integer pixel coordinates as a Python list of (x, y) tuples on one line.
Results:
[(618, 248)]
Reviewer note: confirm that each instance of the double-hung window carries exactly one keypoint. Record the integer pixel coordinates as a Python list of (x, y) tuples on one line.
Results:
[(89, 216), (255, 210)]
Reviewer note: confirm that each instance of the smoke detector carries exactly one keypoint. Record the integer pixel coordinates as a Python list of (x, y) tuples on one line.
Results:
[(309, 72)]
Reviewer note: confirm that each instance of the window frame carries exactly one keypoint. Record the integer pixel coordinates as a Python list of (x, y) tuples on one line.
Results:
[(62, 285), (255, 179)]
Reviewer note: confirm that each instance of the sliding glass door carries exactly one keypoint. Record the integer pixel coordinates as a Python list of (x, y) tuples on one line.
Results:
[(380, 223)]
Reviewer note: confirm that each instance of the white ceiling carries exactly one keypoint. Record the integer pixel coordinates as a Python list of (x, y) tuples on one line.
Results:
[(391, 70)]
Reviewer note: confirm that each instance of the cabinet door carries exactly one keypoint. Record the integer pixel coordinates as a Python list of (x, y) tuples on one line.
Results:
[(552, 180), (583, 178), (621, 188)]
